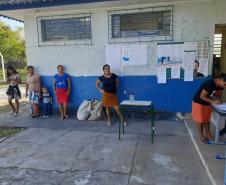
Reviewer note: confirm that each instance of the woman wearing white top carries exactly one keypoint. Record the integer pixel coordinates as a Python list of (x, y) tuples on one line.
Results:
[(13, 91)]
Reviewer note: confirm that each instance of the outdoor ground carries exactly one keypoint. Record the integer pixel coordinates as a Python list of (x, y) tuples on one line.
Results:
[(72, 152)]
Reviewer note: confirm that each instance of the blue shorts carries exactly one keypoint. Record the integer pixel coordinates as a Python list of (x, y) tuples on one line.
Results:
[(33, 97)]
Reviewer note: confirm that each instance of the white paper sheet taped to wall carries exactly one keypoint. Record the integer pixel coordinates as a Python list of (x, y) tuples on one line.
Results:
[(134, 55), (113, 57), (161, 75)]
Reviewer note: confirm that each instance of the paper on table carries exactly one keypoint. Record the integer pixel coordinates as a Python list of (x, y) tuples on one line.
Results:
[(175, 72), (161, 74), (221, 106), (188, 75)]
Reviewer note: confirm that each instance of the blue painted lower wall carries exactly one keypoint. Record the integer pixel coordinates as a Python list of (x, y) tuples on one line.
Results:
[(176, 95)]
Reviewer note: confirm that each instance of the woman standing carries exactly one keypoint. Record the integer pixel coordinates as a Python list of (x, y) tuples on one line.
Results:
[(33, 90), (201, 105), (110, 83), (62, 88), (13, 91)]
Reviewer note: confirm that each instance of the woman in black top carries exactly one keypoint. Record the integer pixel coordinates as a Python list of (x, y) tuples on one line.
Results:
[(109, 83), (201, 105)]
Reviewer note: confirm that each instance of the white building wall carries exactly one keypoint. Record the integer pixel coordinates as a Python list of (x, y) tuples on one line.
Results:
[(192, 22)]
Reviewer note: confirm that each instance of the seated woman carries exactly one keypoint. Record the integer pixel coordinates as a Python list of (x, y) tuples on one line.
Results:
[(110, 83)]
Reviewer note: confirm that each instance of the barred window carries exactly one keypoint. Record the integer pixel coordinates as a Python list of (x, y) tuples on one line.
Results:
[(146, 24), (65, 29)]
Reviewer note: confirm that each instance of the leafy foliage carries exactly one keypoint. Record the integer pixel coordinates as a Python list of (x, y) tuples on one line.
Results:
[(12, 46)]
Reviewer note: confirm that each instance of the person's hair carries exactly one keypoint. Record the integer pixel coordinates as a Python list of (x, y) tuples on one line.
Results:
[(106, 65), (30, 67), (222, 76), (60, 66), (197, 62), (10, 68)]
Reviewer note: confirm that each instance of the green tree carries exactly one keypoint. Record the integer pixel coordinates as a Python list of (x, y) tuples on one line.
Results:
[(12, 46)]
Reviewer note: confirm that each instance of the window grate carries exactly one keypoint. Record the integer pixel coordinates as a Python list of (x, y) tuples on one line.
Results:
[(217, 45), (72, 29), (141, 25)]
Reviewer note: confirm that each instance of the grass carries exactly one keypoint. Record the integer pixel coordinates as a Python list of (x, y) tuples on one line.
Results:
[(8, 131), (7, 108)]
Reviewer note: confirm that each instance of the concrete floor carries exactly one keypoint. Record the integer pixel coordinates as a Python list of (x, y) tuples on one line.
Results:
[(70, 152)]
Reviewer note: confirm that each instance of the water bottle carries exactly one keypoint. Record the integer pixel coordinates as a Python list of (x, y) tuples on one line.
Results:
[(131, 97)]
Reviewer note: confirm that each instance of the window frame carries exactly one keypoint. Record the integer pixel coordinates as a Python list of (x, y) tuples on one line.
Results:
[(66, 41), (140, 37)]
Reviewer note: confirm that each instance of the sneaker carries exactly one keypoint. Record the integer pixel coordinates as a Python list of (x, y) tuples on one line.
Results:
[(15, 114), (44, 116), (66, 116), (33, 116), (12, 113), (47, 116)]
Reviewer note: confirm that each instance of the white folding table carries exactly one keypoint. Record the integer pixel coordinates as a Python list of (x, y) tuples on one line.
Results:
[(218, 118)]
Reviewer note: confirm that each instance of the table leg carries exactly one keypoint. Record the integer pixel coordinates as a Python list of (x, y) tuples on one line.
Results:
[(217, 128), (123, 127), (119, 130), (152, 116), (122, 110)]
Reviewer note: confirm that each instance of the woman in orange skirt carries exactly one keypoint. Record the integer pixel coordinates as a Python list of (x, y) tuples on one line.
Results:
[(201, 104), (109, 83)]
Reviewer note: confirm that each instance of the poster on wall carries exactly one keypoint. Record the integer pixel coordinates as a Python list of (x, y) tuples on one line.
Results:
[(190, 46), (161, 75), (175, 71), (188, 75), (113, 58), (134, 55), (192, 56), (189, 59), (203, 67), (170, 53)]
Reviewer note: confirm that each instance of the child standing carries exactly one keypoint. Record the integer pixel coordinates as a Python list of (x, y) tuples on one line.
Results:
[(47, 101)]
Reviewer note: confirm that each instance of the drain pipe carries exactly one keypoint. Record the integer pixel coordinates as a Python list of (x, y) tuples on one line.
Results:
[(3, 66)]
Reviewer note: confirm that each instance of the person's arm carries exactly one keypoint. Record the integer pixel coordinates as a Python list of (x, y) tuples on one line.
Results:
[(204, 96), (54, 86), (26, 89), (69, 86), (117, 82), (39, 84), (51, 100), (98, 86), (18, 80), (7, 80)]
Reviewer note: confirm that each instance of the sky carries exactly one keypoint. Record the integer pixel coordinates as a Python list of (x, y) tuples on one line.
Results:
[(13, 24)]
